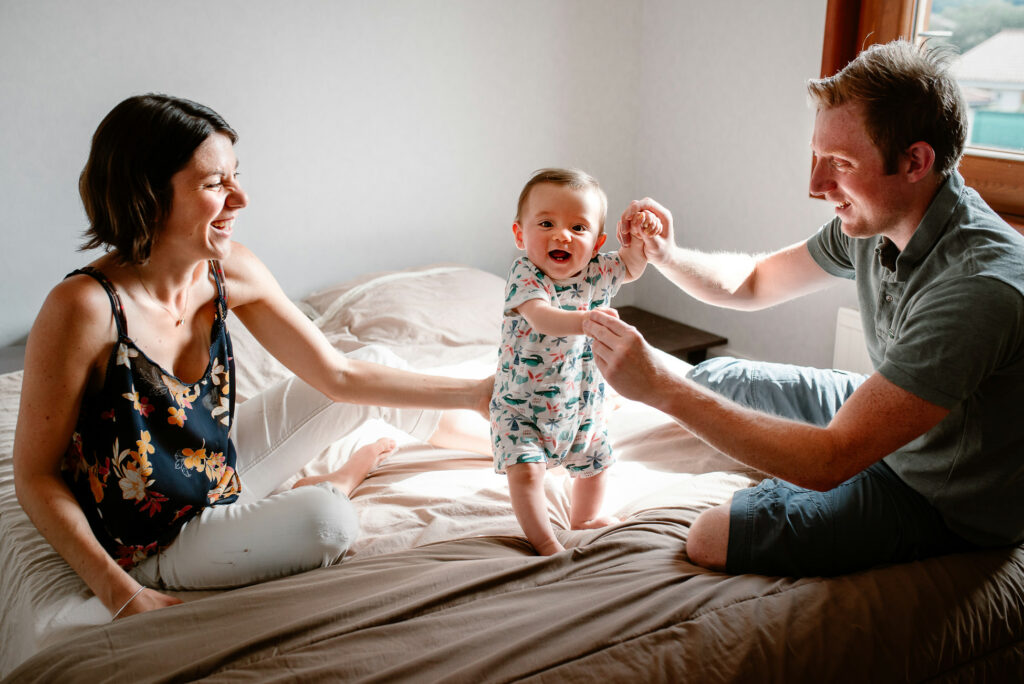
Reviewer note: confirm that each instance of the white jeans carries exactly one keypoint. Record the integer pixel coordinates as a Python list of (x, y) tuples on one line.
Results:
[(260, 537)]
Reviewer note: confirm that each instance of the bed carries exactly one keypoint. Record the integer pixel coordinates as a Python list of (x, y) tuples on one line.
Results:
[(442, 586)]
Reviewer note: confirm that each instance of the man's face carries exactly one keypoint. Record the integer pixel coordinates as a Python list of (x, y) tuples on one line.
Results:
[(849, 171)]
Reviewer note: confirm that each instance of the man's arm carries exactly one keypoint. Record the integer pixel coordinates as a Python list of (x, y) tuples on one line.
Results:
[(875, 421), (737, 281)]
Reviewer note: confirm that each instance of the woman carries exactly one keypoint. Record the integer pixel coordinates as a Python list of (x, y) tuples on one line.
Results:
[(125, 448)]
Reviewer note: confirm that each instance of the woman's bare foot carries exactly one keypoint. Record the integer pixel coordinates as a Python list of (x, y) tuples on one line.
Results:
[(595, 523), (362, 461)]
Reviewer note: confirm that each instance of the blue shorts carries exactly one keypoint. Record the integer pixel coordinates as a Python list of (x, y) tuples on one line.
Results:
[(777, 528)]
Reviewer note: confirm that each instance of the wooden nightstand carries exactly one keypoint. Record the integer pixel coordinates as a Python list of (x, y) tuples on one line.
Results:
[(678, 339)]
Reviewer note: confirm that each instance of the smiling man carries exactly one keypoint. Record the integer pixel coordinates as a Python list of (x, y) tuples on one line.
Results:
[(924, 456)]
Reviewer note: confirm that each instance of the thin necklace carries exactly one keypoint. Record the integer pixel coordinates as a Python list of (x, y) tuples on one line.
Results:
[(184, 310)]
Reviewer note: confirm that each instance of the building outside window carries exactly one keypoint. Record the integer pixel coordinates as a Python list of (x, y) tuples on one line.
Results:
[(989, 36)]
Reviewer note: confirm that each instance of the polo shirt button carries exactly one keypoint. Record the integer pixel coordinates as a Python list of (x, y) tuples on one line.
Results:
[(888, 298)]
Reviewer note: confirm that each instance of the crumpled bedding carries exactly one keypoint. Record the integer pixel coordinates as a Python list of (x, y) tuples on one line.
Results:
[(442, 586)]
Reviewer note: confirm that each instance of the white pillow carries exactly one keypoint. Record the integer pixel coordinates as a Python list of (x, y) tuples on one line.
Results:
[(441, 304)]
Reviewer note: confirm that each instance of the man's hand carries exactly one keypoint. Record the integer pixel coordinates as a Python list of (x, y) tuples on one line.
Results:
[(652, 223), (623, 357)]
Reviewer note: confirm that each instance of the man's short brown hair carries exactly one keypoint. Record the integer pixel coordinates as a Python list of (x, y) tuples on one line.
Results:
[(908, 95)]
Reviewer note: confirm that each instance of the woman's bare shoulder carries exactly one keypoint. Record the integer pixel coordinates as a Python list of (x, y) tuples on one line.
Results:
[(248, 278), (76, 309)]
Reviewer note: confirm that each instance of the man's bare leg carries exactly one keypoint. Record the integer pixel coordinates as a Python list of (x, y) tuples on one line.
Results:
[(707, 544)]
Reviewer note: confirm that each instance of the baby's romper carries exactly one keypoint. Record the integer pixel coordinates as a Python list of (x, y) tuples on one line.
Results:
[(548, 399)]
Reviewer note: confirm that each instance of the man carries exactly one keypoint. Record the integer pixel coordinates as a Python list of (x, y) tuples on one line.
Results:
[(926, 455)]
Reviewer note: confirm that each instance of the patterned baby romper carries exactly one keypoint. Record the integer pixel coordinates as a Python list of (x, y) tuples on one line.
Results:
[(548, 400)]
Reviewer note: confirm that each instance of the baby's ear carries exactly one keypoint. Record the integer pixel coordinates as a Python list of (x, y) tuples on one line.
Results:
[(517, 231), (600, 241)]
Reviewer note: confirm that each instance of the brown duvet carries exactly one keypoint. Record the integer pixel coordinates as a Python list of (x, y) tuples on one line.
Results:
[(624, 605)]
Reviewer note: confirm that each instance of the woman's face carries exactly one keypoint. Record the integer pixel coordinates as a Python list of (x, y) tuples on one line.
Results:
[(205, 201)]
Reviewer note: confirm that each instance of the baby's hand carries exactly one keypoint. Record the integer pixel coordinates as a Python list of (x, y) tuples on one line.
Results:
[(645, 223)]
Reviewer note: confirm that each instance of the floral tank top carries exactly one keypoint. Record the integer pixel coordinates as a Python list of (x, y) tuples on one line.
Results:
[(149, 451)]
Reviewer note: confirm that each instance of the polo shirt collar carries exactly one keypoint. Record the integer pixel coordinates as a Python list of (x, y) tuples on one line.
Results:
[(933, 225)]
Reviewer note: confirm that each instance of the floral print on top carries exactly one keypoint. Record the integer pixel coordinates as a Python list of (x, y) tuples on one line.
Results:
[(149, 451), (548, 400)]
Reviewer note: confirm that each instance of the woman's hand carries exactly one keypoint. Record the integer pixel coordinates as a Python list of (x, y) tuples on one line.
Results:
[(147, 600)]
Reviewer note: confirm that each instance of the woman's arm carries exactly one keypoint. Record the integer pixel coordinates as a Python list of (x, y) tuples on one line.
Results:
[(258, 301), (67, 347)]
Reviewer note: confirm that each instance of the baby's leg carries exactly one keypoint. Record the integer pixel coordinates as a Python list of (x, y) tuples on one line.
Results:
[(587, 497), (526, 486), (362, 461)]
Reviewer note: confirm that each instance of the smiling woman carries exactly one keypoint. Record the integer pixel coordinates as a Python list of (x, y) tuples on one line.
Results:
[(125, 450)]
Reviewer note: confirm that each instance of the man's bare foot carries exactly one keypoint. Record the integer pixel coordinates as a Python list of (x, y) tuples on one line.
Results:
[(362, 461), (595, 523)]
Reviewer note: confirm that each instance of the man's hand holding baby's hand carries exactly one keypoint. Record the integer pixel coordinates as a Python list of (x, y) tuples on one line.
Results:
[(651, 224), (645, 224)]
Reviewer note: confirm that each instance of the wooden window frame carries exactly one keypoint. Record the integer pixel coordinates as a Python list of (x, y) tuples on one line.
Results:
[(852, 25)]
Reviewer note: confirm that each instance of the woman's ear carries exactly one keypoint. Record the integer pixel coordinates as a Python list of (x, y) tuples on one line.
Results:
[(517, 231)]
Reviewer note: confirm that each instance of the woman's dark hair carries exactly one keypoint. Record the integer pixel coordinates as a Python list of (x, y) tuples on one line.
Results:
[(126, 183)]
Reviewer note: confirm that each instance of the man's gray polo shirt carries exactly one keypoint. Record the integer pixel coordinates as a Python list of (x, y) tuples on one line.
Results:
[(944, 320)]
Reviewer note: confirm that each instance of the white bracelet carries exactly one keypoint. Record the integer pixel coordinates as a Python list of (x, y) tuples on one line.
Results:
[(119, 610)]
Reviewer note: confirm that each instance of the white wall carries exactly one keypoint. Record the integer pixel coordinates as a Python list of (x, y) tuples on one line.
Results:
[(723, 143), (374, 135), (384, 134)]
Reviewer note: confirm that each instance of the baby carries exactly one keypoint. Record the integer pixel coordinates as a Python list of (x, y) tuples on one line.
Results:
[(548, 401)]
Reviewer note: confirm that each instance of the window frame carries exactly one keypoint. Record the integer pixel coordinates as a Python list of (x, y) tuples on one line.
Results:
[(852, 25)]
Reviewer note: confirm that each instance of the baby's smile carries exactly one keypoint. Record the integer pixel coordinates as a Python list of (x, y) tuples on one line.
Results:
[(559, 255)]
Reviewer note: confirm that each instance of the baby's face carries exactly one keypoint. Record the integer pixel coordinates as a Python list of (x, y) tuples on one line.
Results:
[(560, 228)]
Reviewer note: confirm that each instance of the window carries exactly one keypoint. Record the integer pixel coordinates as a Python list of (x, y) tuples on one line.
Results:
[(994, 161)]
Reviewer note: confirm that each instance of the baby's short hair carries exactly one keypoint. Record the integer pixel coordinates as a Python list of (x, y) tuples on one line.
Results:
[(573, 178)]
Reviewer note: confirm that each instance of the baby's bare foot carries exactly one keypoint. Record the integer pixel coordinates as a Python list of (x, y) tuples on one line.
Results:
[(362, 461), (548, 548), (595, 523)]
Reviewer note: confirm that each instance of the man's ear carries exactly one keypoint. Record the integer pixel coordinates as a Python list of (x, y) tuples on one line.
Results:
[(517, 231), (921, 160), (600, 241)]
